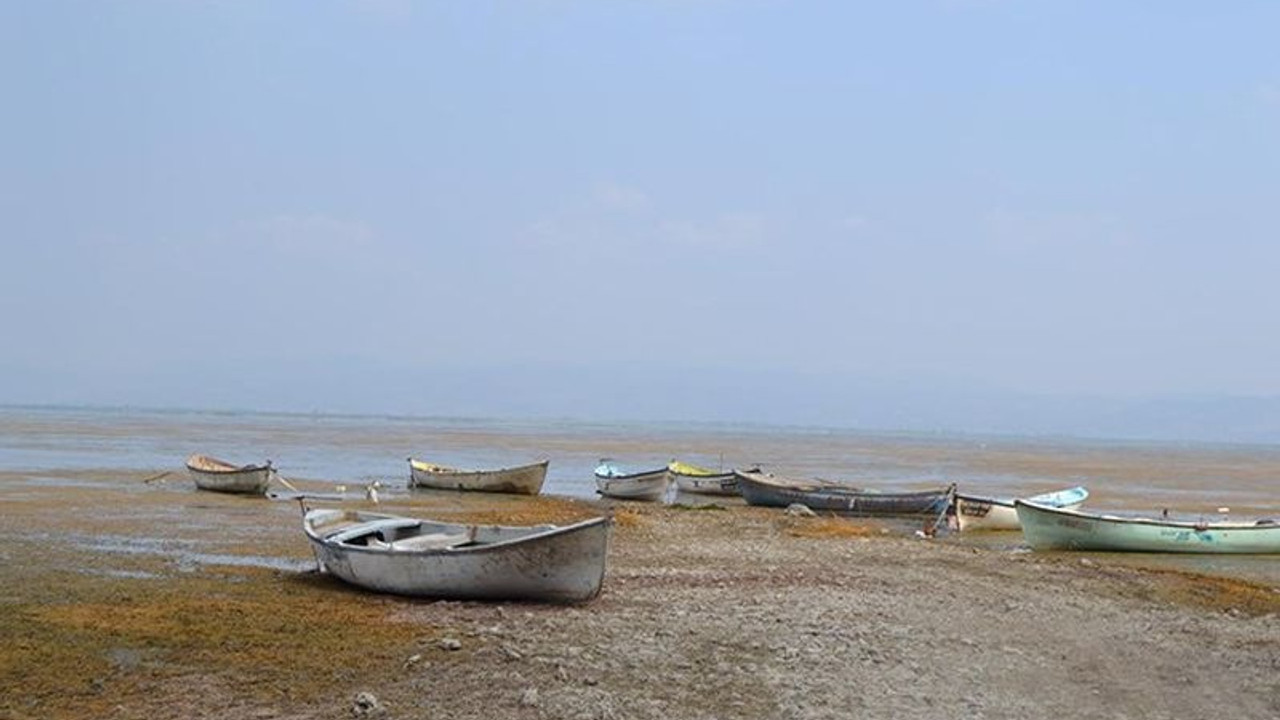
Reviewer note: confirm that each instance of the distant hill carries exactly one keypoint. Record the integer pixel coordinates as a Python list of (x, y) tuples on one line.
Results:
[(638, 392)]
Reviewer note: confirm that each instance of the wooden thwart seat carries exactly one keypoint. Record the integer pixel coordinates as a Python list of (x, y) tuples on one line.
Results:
[(433, 541), (371, 527)]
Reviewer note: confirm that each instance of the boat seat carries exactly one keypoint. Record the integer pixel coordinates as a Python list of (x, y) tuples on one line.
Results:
[(371, 527), (432, 541)]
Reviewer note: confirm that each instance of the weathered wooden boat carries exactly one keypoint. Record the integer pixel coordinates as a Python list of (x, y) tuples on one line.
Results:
[(210, 473), (649, 485), (425, 558), (693, 479), (1048, 528), (522, 480), (769, 490), (974, 512)]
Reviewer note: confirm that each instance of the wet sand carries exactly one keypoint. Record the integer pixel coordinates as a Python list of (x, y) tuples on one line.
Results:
[(120, 598)]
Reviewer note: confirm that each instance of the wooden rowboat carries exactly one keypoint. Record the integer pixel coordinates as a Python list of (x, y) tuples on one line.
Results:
[(649, 485), (768, 490), (522, 480), (693, 479), (1047, 528), (210, 473), (425, 558), (985, 513)]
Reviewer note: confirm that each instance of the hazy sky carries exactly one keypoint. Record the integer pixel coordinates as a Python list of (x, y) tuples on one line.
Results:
[(202, 203)]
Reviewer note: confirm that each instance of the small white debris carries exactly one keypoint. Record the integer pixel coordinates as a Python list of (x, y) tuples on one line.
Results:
[(366, 705), (529, 698), (510, 652), (450, 644), (800, 510)]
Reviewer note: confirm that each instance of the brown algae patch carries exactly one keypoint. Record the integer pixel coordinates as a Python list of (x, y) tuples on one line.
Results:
[(1214, 593), (536, 510), (108, 640), (823, 527)]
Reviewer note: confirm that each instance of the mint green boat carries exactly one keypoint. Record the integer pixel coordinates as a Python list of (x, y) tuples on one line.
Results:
[(1050, 528)]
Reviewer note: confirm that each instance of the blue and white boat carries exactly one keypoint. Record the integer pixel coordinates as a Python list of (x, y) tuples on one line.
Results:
[(974, 512), (616, 482)]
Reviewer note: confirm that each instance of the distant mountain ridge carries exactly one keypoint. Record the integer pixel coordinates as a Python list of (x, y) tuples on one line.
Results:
[(632, 392)]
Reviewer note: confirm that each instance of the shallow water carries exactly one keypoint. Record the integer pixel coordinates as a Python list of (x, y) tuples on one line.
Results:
[(73, 449)]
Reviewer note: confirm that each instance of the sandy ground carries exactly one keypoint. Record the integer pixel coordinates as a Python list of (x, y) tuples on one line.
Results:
[(151, 600)]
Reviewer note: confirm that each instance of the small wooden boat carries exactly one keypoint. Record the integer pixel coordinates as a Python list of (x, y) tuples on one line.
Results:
[(768, 490), (649, 485), (210, 473), (411, 556), (693, 479), (1048, 528), (522, 480), (985, 513)]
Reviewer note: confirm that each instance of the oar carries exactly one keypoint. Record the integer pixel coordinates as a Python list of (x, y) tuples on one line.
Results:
[(284, 482), (159, 476)]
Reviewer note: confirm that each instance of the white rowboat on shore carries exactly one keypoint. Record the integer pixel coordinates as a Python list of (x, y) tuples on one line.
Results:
[(974, 512), (210, 473), (426, 558), (521, 480), (649, 485)]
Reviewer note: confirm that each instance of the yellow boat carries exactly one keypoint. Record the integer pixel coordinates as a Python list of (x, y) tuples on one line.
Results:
[(695, 479)]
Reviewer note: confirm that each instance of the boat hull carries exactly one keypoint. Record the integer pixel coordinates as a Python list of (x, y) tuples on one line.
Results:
[(770, 491), (994, 514), (523, 480), (700, 481), (547, 564), (646, 486), (220, 476), (1046, 528), (723, 484)]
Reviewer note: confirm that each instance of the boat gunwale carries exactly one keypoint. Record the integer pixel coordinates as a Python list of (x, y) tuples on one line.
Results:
[(443, 471), (841, 489), (470, 549), (700, 473), (643, 475), (1010, 502), (1154, 522), (1001, 502), (230, 469)]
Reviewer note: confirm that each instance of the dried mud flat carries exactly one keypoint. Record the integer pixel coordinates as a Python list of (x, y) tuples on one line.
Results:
[(131, 600)]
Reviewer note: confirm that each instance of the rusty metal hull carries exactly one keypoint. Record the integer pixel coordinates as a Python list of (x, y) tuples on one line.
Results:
[(424, 558), (220, 476), (523, 480)]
